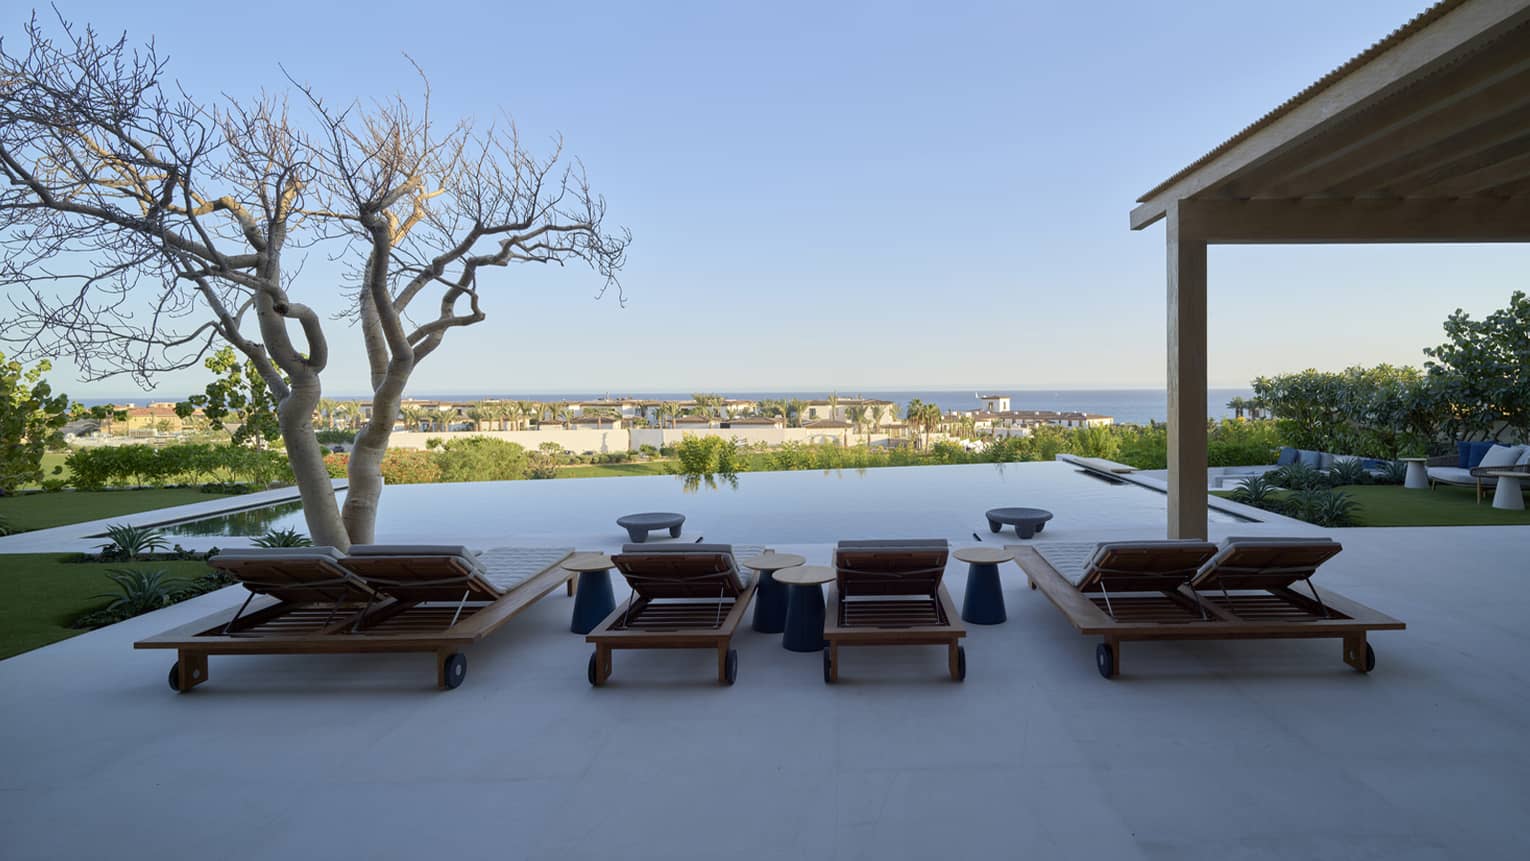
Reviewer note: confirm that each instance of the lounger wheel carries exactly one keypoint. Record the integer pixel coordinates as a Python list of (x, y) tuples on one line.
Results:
[(730, 669), (1105, 659), (175, 677), (594, 672), (961, 664), (454, 671), (1370, 658), (828, 667)]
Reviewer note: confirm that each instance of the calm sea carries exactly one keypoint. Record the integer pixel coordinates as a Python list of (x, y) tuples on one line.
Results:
[(1126, 405)]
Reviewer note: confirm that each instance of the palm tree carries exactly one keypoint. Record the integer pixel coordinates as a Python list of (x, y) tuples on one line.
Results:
[(325, 411), (668, 410), (794, 409), (857, 416), (1238, 405), (350, 413), (562, 412), (833, 405), (529, 410), (480, 414), (913, 414), (413, 417)]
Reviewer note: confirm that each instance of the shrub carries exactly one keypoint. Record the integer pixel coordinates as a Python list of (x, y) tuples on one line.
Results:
[(333, 436), (283, 538), (131, 542), (337, 464), (648, 451), (409, 466), (480, 458)]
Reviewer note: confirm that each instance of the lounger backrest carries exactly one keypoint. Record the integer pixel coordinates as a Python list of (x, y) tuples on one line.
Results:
[(300, 575), (680, 570), (890, 567), (1144, 566), (421, 572), (1264, 563)]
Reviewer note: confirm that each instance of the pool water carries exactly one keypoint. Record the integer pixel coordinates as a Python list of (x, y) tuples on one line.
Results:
[(806, 507)]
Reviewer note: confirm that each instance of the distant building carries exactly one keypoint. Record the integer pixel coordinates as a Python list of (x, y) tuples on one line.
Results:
[(994, 403)]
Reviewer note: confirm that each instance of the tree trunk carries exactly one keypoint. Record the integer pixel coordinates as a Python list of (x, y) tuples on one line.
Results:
[(364, 473), (295, 415)]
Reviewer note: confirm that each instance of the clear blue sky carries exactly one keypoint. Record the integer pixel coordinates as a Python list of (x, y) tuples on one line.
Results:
[(858, 196)]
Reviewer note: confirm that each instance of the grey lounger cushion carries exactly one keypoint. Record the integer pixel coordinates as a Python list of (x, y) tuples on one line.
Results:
[(744, 575), (896, 544), (456, 550), (247, 553)]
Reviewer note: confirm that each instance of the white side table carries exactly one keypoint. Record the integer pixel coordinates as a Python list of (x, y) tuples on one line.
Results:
[(1418, 475), (1509, 493)]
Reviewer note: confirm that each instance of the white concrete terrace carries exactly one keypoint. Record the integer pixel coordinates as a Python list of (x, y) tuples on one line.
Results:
[(1200, 750)]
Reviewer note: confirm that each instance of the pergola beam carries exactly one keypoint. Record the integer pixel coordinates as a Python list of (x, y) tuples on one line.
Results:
[(1358, 221)]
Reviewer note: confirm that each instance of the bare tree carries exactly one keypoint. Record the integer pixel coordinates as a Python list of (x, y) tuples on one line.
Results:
[(140, 227)]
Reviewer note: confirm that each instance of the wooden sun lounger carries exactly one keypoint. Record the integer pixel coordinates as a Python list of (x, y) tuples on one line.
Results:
[(684, 596), (1240, 591), (890, 593), (438, 603)]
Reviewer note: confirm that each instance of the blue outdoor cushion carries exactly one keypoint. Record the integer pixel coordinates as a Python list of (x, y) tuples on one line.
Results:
[(1463, 453), (1288, 456), (1313, 459), (1476, 453)]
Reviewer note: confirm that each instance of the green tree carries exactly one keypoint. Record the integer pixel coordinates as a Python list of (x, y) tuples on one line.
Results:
[(1483, 370), (237, 395), (31, 417), (478, 458)]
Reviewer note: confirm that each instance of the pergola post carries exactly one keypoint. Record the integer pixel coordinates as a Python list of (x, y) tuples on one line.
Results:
[(1187, 381)]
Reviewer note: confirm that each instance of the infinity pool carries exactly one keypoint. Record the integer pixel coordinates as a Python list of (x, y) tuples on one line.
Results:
[(762, 507)]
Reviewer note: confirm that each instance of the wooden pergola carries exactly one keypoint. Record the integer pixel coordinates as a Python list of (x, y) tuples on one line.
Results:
[(1424, 137)]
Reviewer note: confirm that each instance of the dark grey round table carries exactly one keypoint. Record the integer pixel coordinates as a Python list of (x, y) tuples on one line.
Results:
[(639, 525), (1027, 521)]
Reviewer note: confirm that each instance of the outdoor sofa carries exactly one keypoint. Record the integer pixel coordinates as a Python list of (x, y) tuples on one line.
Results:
[(1475, 460), (378, 598), (1246, 588)]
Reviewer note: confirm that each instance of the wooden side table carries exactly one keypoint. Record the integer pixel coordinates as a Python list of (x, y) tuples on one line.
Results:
[(593, 601), (804, 606), (770, 597)]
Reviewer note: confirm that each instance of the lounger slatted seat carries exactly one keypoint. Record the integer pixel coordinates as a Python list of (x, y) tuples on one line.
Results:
[(381, 598), (891, 593), (684, 596), (1244, 589)]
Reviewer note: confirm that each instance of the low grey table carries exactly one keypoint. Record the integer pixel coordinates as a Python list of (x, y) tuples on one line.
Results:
[(1027, 521), (639, 525)]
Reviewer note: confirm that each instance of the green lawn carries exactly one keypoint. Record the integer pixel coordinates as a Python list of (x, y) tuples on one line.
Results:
[(1394, 505), (610, 470), (41, 595), (41, 510)]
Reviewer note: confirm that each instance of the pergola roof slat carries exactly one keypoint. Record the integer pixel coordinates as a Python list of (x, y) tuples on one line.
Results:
[(1438, 107)]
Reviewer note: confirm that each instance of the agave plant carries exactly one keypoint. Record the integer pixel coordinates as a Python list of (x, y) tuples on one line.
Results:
[(1323, 507), (139, 591), (1393, 472), (283, 538), (1256, 490), (1298, 476), (1350, 470), (5, 526), (133, 541)]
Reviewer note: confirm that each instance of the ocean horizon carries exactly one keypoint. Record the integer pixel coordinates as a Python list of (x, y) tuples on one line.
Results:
[(1133, 406)]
